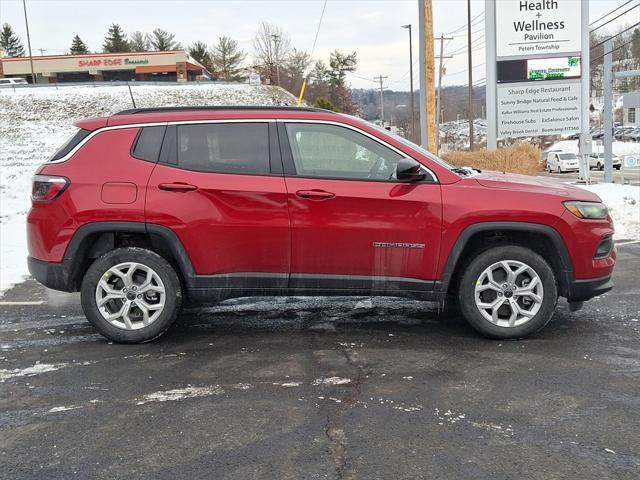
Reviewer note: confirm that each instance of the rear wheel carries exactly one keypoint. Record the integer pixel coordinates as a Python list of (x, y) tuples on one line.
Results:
[(131, 295), (508, 292)]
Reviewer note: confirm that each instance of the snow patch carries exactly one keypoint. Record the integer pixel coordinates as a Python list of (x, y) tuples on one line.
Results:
[(331, 381), (63, 409), (36, 369), (178, 394)]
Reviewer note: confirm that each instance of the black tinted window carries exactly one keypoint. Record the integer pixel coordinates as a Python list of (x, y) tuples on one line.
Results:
[(224, 147), (148, 143), (70, 144)]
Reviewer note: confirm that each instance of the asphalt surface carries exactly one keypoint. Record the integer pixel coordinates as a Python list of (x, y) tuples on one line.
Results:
[(321, 389)]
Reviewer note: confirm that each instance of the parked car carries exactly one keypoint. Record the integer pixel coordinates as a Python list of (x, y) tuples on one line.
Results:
[(12, 82), (146, 209), (562, 162), (596, 160)]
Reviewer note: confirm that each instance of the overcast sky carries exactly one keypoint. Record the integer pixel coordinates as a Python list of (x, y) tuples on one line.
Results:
[(369, 27)]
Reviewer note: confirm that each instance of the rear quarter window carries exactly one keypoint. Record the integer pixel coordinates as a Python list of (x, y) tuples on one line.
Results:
[(148, 143), (70, 144)]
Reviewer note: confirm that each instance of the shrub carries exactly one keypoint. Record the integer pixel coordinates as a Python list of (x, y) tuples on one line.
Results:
[(521, 158)]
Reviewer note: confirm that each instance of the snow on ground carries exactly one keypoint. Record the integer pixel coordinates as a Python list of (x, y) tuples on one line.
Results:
[(623, 202), (34, 122)]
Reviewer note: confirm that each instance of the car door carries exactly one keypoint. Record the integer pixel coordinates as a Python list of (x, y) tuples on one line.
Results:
[(353, 225), (219, 187)]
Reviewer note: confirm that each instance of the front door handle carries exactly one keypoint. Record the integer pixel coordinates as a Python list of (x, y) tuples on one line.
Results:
[(315, 194), (177, 187)]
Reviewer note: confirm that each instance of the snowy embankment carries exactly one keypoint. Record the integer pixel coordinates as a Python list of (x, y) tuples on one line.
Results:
[(619, 148), (623, 202), (34, 122)]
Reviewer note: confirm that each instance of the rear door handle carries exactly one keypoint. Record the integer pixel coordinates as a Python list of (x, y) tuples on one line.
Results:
[(315, 194), (177, 187)]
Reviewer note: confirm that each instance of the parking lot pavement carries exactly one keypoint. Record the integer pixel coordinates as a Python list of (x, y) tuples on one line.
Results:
[(321, 388), (631, 176)]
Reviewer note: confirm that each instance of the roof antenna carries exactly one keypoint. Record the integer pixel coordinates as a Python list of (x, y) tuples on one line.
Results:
[(131, 94)]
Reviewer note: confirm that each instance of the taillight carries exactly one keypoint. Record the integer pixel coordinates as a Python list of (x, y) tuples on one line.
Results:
[(47, 188)]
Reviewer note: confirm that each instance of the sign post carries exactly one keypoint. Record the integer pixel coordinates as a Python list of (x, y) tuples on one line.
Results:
[(538, 70)]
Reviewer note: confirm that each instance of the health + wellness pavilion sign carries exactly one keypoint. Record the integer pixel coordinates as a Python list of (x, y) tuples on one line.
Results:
[(537, 27), (536, 64)]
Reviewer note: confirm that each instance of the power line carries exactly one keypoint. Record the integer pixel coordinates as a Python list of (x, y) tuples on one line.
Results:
[(611, 51), (318, 29), (612, 11), (465, 25), (614, 18), (616, 35)]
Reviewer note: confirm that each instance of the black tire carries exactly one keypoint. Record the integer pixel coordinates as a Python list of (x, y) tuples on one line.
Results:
[(168, 276), (484, 260), (617, 167)]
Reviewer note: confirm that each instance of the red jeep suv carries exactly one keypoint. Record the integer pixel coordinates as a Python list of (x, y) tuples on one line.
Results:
[(143, 209)]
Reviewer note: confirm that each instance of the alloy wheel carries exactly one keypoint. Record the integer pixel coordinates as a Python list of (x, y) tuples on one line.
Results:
[(130, 296), (509, 293)]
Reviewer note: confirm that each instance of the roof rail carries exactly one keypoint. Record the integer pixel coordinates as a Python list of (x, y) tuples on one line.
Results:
[(134, 111)]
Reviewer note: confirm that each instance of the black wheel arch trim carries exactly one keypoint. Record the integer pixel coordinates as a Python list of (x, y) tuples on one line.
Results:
[(566, 275), (78, 247)]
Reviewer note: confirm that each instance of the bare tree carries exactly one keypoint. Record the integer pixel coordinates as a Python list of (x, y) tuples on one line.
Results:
[(139, 41), (271, 46)]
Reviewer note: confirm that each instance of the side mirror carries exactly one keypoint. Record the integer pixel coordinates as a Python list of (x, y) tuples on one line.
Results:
[(409, 170)]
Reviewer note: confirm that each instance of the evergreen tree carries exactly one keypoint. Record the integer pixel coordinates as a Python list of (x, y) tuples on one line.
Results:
[(297, 63), (161, 40), (324, 103), (200, 53), (227, 60), (139, 42), (78, 47), (339, 65), (10, 42), (116, 40)]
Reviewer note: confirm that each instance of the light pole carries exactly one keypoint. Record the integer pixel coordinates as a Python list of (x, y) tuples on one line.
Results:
[(26, 22), (276, 38), (413, 119)]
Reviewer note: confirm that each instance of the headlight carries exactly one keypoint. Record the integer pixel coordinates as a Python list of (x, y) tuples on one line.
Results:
[(588, 210)]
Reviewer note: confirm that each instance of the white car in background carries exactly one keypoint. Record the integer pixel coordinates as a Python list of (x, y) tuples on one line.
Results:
[(596, 160), (12, 82), (562, 162)]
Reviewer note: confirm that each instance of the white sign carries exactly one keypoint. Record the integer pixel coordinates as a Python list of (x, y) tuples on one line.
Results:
[(534, 109), (537, 27), (631, 161)]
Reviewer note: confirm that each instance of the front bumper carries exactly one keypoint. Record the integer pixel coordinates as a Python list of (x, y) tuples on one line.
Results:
[(52, 275), (581, 290)]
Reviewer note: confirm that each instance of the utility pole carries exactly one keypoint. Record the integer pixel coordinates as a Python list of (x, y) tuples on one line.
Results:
[(607, 83), (413, 110), (470, 76), (26, 22), (427, 80), (380, 78), (438, 104), (276, 39), (42, 50)]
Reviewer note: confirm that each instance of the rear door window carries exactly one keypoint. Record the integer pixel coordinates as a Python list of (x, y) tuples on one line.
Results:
[(241, 147), (70, 144)]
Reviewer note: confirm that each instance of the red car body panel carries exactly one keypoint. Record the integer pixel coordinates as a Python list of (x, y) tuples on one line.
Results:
[(103, 161), (232, 223), (337, 235)]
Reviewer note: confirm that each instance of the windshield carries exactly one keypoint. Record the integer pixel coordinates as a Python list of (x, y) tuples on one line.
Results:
[(417, 148), (567, 156)]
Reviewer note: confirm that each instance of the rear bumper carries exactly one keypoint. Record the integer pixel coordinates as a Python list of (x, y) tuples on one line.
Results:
[(581, 290), (51, 275)]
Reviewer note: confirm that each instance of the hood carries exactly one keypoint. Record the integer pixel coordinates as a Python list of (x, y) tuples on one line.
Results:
[(525, 183)]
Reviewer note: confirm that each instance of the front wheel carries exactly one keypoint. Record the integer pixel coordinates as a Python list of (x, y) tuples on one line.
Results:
[(131, 295), (508, 292)]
